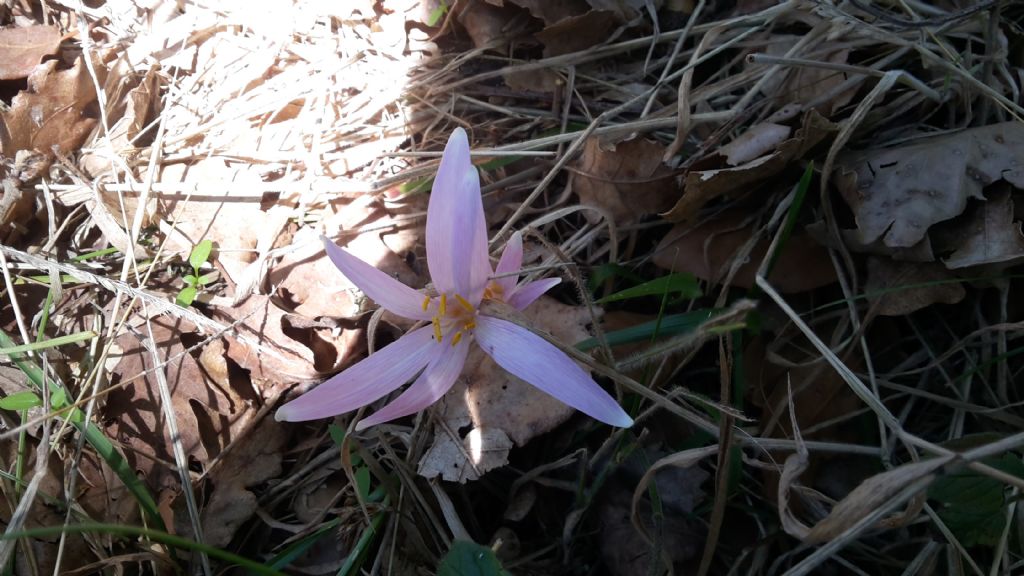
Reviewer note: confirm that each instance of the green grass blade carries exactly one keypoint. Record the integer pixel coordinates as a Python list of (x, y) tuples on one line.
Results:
[(93, 435), (672, 325), (683, 283), (155, 535), (51, 343)]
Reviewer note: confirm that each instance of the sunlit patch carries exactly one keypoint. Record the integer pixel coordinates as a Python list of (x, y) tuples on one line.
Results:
[(476, 445)]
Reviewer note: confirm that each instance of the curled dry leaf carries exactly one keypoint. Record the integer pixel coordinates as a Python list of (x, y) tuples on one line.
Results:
[(899, 288), (625, 179), (873, 493), (24, 47), (897, 193), (758, 140), (505, 409), (702, 186), (708, 250)]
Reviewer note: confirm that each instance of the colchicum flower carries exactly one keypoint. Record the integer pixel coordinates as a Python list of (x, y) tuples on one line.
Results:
[(435, 354)]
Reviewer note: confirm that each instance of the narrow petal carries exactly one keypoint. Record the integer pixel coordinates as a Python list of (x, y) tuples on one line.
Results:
[(511, 261), (435, 380), (533, 359), (456, 228), (380, 287), (362, 383), (527, 293)]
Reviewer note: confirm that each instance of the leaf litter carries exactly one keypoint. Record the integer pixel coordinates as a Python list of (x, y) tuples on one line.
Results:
[(127, 143)]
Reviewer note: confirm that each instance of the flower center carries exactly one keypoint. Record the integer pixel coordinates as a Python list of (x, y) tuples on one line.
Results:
[(494, 291), (455, 315)]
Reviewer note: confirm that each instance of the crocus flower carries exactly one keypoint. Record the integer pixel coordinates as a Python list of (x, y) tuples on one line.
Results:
[(435, 353)]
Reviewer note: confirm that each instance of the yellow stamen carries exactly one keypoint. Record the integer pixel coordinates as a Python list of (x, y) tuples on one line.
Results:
[(443, 305), (456, 338), (464, 303), (469, 325), (437, 328), (426, 303)]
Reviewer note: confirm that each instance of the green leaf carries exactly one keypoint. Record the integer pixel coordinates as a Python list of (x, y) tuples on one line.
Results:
[(206, 278), (972, 504), (200, 254), (671, 325), (682, 282), (20, 401), (337, 434), (608, 271), (363, 483), (436, 13), (58, 399), (186, 296), (470, 559), (189, 279)]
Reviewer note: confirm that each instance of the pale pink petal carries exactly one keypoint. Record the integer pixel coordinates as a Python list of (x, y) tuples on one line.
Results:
[(533, 359), (366, 381), (456, 229), (527, 293), (511, 261), (435, 380), (381, 288)]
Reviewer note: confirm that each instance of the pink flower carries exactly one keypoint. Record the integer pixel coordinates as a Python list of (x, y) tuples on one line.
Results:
[(435, 354)]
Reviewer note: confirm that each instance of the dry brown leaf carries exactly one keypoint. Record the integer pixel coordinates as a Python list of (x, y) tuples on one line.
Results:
[(577, 32), (255, 459), (210, 408), (920, 252), (53, 111), (989, 235), (700, 187), (708, 249), (484, 22), (899, 288), (872, 493), (804, 85), (23, 48), (897, 193), (626, 179), (551, 11), (293, 347), (501, 405)]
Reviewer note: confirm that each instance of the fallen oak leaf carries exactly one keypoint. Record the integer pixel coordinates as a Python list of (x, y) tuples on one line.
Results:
[(53, 111), (24, 47), (990, 235), (898, 193), (900, 288), (625, 179)]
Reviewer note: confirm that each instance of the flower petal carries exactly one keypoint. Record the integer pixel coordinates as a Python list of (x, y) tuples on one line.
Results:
[(435, 380), (533, 359), (381, 288), (511, 261), (364, 382), (527, 293), (456, 228)]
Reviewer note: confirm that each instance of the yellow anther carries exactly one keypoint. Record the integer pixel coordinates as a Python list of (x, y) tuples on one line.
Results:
[(457, 337), (469, 325), (437, 328), (426, 303), (443, 305), (464, 303)]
